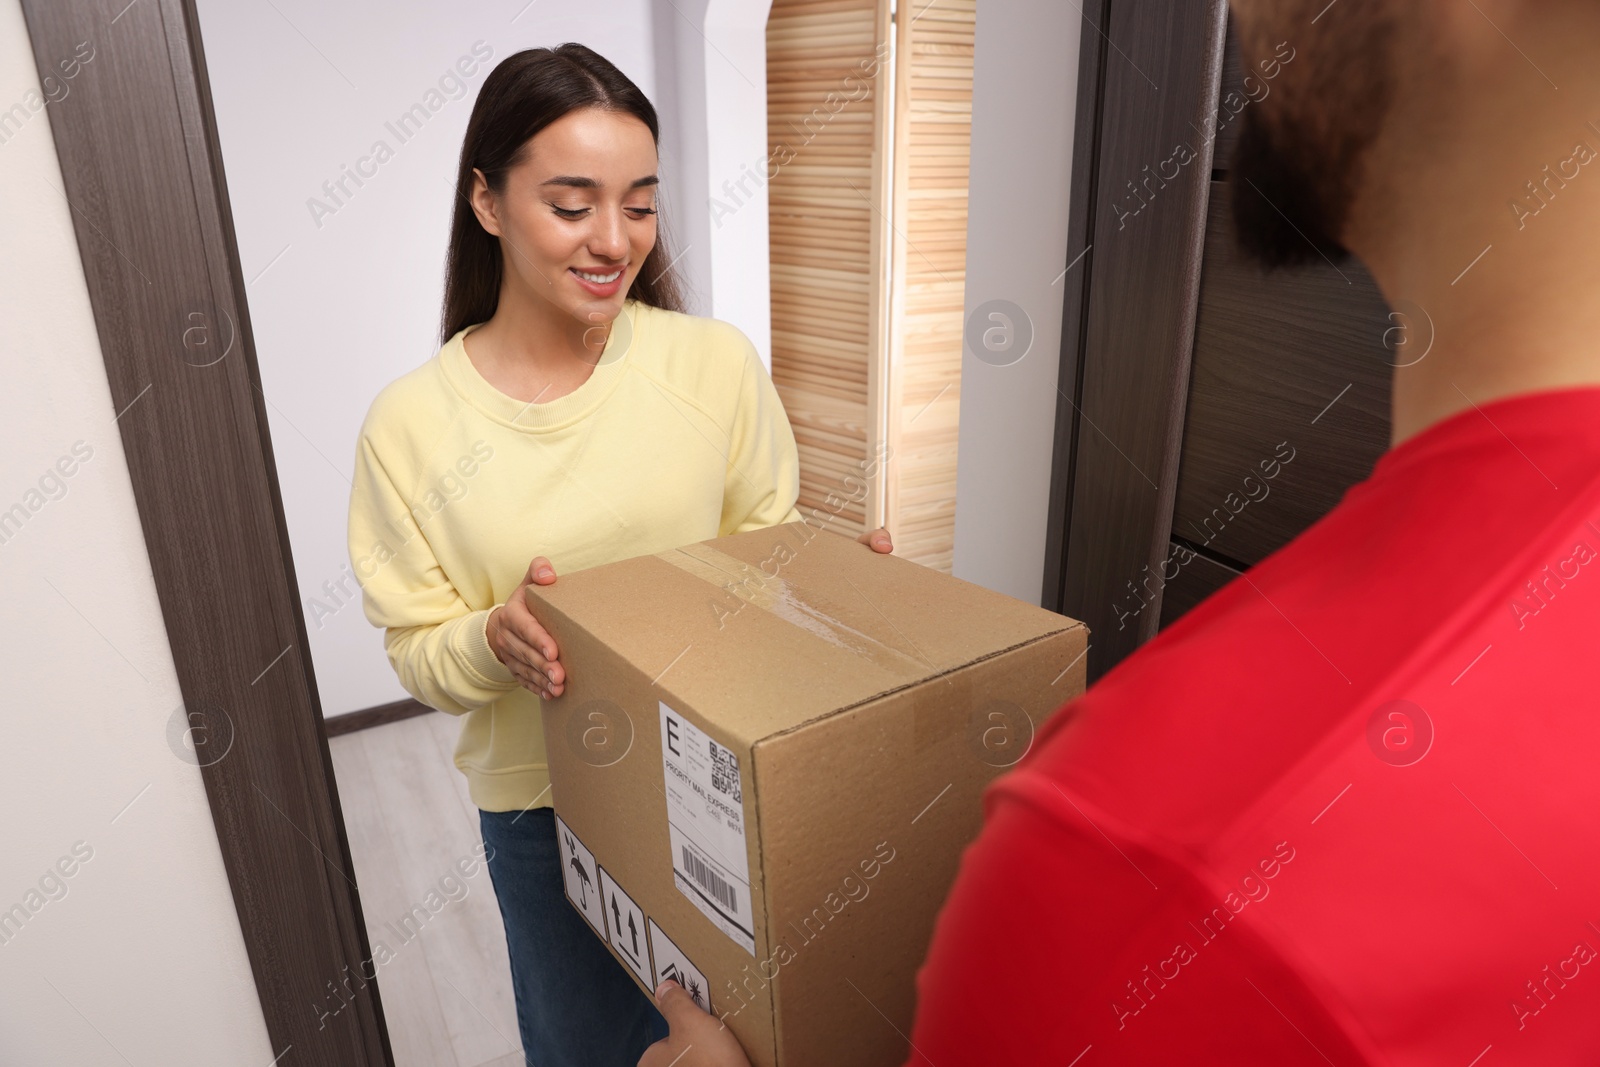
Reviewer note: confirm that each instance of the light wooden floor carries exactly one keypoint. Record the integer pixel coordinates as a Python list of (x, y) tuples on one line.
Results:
[(447, 990)]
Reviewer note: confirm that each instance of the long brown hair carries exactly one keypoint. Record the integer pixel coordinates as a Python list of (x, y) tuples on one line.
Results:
[(525, 93)]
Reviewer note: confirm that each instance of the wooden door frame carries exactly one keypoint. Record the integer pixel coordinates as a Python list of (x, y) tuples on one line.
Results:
[(142, 167), (1148, 80)]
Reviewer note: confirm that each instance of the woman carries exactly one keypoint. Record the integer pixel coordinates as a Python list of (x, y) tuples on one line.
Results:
[(574, 414)]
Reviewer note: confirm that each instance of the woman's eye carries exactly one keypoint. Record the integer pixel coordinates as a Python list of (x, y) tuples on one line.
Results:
[(579, 212)]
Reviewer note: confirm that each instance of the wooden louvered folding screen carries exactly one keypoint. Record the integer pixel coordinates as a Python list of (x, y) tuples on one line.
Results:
[(869, 129)]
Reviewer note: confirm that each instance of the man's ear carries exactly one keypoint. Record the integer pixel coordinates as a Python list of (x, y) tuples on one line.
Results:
[(484, 204)]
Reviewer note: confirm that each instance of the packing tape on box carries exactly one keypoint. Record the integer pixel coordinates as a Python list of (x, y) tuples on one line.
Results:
[(778, 597)]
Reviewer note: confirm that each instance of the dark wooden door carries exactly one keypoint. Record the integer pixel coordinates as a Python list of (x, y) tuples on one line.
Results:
[(1209, 412)]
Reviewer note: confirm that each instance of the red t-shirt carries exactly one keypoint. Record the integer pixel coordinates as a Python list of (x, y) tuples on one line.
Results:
[(1346, 811)]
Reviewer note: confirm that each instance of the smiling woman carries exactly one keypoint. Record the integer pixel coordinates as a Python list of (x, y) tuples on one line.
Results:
[(575, 242), (619, 425), (595, 119)]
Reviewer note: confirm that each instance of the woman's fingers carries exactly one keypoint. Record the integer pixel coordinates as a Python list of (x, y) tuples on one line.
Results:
[(525, 646), (521, 621), (520, 652), (529, 666), (518, 659), (878, 540), (533, 644), (543, 649)]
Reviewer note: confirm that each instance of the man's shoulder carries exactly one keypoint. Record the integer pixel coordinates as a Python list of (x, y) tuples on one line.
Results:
[(1192, 728), (1273, 673)]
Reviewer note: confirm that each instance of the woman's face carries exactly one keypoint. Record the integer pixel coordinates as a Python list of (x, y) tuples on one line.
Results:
[(577, 216)]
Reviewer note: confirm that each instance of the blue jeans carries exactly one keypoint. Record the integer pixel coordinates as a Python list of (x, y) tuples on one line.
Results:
[(576, 1005)]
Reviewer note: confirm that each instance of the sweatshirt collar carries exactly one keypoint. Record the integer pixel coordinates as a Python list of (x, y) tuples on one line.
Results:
[(550, 415)]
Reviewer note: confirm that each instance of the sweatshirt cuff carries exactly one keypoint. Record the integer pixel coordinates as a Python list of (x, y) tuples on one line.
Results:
[(472, 646)]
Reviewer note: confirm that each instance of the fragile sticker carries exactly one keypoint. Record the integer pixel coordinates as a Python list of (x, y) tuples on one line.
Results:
[(705, 823)]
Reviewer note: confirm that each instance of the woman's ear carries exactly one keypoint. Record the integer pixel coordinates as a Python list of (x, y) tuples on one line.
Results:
[(484, 204)]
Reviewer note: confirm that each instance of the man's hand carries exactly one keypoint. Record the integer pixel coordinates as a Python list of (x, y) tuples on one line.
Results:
[(696, 1040), (518, 640), (878, 539)]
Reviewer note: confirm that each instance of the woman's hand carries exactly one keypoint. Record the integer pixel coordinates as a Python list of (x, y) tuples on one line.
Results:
[(696, 1040), (518, 640), (878, 539)]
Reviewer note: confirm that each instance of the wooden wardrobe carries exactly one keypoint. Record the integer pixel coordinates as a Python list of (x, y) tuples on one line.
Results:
[(869, 120)]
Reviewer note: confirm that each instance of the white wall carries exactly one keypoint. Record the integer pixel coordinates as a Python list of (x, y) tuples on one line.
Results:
[(344, 302), (1024, 96), (137, 956), (712, 59)]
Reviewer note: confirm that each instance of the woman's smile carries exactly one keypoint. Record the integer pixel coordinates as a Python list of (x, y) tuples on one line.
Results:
[(600, 283)]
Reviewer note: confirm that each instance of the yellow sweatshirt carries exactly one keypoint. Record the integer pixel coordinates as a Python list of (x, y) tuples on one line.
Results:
[(678, 436)]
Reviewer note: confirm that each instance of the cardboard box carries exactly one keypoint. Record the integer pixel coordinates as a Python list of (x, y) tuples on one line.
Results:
[(767, 762)]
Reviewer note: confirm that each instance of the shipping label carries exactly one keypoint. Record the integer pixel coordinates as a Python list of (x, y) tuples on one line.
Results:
[(705, 822)]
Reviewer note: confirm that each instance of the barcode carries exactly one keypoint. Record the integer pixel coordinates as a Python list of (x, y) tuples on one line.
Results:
[(709, 879), (725, 772)]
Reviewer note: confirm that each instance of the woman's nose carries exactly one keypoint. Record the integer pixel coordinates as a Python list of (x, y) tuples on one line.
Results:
[(610, 238)]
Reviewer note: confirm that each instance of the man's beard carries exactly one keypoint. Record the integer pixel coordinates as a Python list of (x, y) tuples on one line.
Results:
[(1300, 158), (1286, 213)]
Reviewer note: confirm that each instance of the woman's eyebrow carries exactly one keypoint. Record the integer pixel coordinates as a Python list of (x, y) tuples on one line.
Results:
[(579, 182)]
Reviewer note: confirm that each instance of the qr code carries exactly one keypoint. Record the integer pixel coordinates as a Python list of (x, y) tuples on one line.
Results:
[(725, 772)]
